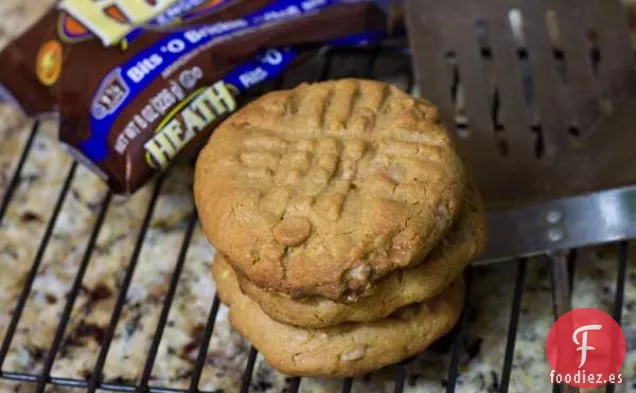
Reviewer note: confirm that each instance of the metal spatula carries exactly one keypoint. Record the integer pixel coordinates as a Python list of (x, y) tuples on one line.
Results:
[(542, 95)]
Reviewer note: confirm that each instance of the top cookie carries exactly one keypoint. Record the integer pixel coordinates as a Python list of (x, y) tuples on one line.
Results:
[(324, 189)]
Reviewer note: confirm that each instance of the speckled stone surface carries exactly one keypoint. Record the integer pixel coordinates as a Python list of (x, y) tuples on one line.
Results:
[(24, 224)]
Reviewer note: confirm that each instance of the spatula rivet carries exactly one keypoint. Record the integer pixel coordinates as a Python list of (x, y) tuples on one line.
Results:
[(556, 234), (553, 216)]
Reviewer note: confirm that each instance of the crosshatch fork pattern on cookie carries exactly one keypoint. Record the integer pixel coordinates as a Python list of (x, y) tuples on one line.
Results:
[(305, 172), (320, 165)]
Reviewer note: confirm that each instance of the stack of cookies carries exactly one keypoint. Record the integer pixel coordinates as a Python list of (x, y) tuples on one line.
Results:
[(342, 219)]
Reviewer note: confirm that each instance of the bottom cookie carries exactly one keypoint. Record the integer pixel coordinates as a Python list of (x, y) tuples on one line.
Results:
[(339, 351)]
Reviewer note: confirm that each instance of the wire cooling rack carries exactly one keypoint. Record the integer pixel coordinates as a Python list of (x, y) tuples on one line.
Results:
[(42, 380)]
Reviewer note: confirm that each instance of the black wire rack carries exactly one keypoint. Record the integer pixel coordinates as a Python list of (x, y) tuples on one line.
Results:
[(367, 56)]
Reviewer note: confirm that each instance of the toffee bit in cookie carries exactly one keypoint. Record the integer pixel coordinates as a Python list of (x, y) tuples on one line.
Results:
[(441, 215), (292, 231), (322, 335), (358, 353), (396, 173), (359, 276)]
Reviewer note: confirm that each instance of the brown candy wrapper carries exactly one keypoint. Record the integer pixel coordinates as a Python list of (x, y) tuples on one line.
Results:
[(132, 100), (59, 44)]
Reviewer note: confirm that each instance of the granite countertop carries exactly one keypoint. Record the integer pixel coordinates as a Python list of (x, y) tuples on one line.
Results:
[(26, 218)]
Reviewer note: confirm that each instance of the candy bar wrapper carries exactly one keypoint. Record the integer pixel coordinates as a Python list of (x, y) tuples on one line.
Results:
[(70, 39), (186, 114), (63, 55), (131, 103)]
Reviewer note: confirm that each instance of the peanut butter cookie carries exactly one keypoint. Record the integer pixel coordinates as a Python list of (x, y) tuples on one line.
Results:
[(326, 188), (400, 288), (344, 350)]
